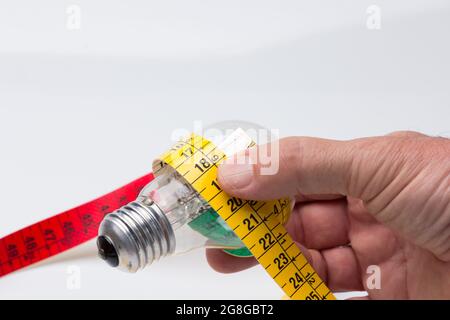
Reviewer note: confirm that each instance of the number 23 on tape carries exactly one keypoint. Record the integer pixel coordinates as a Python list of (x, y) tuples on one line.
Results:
[(258, 224)]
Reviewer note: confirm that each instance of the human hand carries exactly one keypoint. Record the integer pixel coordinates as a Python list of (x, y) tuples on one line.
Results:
[(381, 201)]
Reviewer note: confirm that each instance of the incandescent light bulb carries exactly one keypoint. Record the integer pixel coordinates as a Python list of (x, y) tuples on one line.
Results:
[(169, 216)]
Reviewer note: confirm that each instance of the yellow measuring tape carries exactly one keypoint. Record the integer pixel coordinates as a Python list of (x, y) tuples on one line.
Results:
[(259, 224)]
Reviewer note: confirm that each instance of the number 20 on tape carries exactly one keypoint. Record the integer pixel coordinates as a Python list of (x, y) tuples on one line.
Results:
[(258, 224)]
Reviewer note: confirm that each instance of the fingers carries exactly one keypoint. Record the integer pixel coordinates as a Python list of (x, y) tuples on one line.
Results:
[(338, 267), (225, 263), (323, 228), (320, 225), (343, 271)]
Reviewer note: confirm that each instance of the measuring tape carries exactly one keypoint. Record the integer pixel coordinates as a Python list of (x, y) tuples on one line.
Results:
[(259, 224), (63, 231)]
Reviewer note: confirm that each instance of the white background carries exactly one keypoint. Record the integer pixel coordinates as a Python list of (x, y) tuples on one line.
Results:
[(85, 111)]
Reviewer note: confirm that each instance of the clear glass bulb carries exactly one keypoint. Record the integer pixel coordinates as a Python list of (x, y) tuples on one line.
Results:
[(169, 216)]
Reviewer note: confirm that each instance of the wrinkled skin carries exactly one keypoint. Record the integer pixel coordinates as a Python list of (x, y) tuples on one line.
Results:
[(381, 201)]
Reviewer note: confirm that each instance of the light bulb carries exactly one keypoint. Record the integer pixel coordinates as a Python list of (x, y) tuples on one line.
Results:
[(169, 216)]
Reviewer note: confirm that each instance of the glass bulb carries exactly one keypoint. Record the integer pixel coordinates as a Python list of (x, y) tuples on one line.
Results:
[(169, 216)]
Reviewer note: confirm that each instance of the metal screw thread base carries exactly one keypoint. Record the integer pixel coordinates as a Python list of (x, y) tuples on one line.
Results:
[(140, 232)]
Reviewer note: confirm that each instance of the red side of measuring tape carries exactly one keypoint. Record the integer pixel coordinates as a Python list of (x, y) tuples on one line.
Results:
[(63, 231)]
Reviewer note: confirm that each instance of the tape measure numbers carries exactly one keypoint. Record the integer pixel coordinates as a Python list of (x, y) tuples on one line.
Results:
[(259, 224), (63, 231)]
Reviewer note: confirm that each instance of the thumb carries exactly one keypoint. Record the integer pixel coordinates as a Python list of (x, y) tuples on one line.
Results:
[(360, 168), (403, 179), (302, 166)]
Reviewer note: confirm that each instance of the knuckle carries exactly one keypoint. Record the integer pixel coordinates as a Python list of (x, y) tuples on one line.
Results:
[(291, 152)]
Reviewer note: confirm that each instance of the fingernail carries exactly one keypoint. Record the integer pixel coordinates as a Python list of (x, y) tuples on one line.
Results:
[(236, 175)]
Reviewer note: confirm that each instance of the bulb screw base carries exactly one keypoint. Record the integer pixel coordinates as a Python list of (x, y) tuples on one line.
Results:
[(134, 236)]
